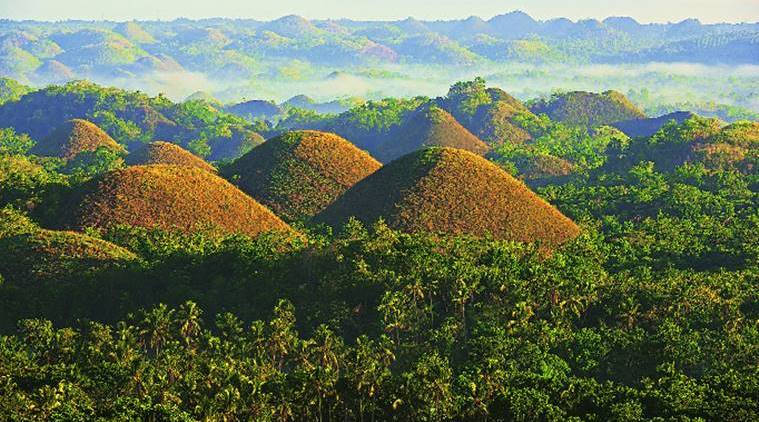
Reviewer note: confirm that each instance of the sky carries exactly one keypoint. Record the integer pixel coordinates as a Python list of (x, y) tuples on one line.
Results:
[(708, 11)]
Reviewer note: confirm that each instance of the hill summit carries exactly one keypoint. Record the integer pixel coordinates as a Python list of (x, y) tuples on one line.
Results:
[(451, 191), (160, 152), (299, 173), (170, 198), (429, 126), (73, 137)]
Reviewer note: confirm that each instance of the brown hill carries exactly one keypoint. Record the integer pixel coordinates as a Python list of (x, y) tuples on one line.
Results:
[(170, 198), (73, 137), (429, 126), (299, 173), (160, 152), (451, 191)]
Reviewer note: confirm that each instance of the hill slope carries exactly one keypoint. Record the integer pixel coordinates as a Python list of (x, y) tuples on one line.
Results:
[(299, 173), (429, 126), (170, 198), (451, 191), (160, 152), (73, 137), (643, 128)]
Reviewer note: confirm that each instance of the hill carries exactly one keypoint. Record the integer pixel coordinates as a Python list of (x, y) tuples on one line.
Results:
[(170, 198), (44, 254), (644, 128), (580, 108), (73, 137), (489, 113), (451, 191), (299, 173), (160, 152), (428, 126)]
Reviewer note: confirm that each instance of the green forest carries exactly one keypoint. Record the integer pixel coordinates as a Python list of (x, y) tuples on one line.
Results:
[(470, 257)]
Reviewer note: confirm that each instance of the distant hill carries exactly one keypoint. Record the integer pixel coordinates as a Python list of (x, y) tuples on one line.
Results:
[(451, 191), (588, 109), (167, 197), (73, 137), (255, 109), (299, 173), (644, 128), (229, 49), (159, 152), (428, 126), (698, 140)]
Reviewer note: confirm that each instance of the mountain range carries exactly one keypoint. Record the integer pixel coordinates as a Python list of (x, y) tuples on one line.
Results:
[(239, 49)]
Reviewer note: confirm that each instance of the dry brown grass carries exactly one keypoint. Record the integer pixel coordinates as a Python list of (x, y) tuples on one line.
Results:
[(299, 173), (171, 198), (452, 191), (160, 152), (73, 137)]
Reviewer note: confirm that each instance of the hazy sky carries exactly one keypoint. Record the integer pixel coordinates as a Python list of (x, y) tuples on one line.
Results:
[(643, 10)]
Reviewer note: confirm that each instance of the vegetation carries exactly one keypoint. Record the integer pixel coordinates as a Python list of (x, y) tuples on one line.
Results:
[(451, 191), (298, 174), (132, 118), (456, 294), (168, 197)]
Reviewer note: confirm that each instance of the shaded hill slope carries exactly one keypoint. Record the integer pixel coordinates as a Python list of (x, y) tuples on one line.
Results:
[(428, 126), (299, 173)]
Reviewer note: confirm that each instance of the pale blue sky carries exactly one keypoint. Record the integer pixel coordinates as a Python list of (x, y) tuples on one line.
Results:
[(643, 10)]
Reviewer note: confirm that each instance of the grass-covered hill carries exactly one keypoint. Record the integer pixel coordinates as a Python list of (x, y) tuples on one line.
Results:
[(73, 137), (160, 152), (132, 118), (428, 126), (588, 109), (167, 197), (32, 253), (299, 173), (451, 191)]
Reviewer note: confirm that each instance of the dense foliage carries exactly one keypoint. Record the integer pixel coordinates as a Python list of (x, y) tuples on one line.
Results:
[(651, 312)]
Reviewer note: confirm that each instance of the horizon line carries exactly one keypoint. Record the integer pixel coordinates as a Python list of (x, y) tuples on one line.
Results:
[(399, 19)]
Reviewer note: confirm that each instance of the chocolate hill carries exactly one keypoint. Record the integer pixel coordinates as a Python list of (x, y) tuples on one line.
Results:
[(171, 198), (429, 126), (452, 191), (73, 137)]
